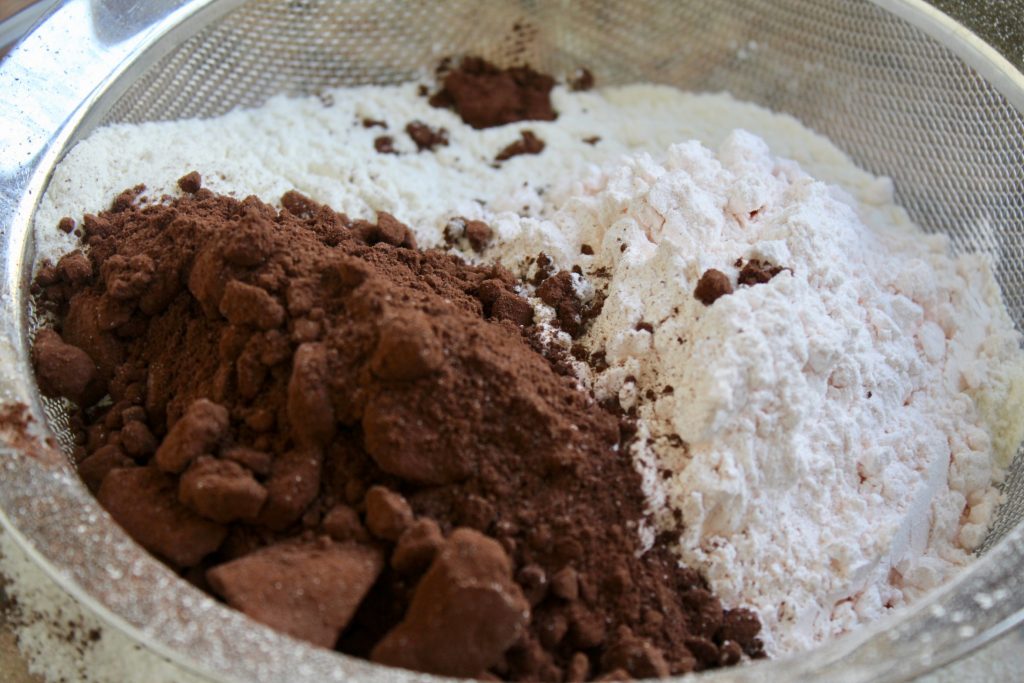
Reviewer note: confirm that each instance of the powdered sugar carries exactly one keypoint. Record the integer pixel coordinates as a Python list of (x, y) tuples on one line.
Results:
[(831, 438)]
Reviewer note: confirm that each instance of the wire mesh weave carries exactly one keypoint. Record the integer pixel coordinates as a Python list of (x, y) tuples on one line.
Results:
[(893, 98)]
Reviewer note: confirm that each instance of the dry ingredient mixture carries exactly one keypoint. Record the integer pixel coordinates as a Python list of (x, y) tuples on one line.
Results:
[(795, 392)]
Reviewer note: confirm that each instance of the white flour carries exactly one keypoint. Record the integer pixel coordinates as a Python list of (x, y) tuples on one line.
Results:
[(799, 492), (844, 423), (328, 154)]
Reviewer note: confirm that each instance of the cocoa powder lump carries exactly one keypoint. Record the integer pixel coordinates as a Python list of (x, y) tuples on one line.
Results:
[(485, 95), (354, 441)]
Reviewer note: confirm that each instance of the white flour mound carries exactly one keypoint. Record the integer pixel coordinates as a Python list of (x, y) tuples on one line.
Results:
[(831, 438), (327, 153)]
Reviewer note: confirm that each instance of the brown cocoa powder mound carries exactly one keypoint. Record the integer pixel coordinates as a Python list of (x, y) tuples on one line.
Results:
[(380, 395), (484, 95)]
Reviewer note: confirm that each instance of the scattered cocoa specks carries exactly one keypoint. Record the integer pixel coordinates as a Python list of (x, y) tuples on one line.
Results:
[(484, 95), (528, 143), (385, 144), (581, 80), (756, 272), (349, 397), (425, 137)]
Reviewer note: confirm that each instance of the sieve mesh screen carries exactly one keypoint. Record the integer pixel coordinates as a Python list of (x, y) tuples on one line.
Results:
[(896, 100)]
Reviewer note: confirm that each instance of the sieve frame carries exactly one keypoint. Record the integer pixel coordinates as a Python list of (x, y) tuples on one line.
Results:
[(104, 570)]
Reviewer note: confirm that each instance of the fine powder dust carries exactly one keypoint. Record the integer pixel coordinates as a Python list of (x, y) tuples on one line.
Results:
[(829, 439)]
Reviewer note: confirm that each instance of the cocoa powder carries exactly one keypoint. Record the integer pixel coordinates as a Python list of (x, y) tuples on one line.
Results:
[(425, 137), (384, 144), (528, 143), (355, 442), (581, 80), (712, 285), (484, 95), (756, 272)]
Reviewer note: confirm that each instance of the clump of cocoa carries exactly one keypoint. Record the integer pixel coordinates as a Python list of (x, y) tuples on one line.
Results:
[(581, 80), (712, 286), (384, 144), (572, 313), (756, 272), (484, 95), (477, 234), (352, 441), (528, 143), (425, 137)]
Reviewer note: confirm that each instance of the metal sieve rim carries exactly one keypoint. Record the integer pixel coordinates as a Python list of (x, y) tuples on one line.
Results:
[(1000, 73), (93, 73)]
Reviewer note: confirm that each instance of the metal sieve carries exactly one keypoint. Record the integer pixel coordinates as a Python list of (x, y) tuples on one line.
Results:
[(903, 89)]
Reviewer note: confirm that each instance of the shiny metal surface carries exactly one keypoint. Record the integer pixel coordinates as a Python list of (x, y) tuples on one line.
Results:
[(17, 17), (899, 86)]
